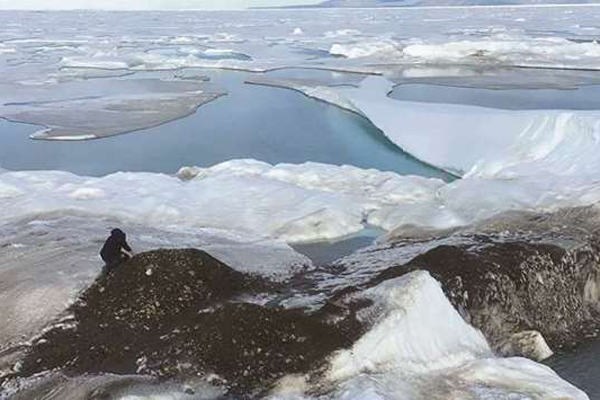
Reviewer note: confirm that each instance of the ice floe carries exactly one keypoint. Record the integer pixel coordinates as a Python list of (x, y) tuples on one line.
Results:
[(116, 108)]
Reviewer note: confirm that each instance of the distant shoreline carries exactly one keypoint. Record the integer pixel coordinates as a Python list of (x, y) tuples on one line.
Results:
[(315, 7), (400, 6)]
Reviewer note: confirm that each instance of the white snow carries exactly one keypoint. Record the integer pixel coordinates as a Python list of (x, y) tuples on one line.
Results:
[(411, 313), (224, 37), (420, 348), (291, 202), (312, 201), (94, 62), (366, 49), (8, 191), (497, 139), (219, 52), (4, 49), (42, 134), (511, 50), (87, 193), (342, 32)]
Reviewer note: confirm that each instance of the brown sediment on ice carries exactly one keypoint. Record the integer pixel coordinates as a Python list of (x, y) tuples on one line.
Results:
[(174, 314), (518, 272)]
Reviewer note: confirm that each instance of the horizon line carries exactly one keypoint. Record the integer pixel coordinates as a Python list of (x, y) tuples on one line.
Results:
[(311, 6)]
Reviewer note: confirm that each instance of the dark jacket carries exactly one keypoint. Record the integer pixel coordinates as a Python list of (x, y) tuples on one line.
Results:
[(111, 252)]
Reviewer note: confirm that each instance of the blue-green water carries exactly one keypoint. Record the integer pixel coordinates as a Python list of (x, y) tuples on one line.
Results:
[(262, 123)]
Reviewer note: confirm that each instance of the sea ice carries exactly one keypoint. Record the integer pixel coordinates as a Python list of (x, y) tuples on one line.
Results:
[(367, 49), (565, 38), (136, 104), (42, 50), (536, 160)]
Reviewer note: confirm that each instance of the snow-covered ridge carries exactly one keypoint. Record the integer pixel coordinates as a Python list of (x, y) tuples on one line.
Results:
[(296, 203), (291, 202)]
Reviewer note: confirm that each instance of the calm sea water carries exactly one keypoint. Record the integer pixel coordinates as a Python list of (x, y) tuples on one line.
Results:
[(267, 124)]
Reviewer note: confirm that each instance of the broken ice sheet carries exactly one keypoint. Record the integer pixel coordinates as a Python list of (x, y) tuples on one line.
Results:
[(92, 111)]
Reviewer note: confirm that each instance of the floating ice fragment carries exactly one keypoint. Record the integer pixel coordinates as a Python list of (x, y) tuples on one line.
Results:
[(342, 32), (385, 47), (135, 104)]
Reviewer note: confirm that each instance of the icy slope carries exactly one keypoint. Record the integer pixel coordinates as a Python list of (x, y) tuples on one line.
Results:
[(497, 139), (419, 347)]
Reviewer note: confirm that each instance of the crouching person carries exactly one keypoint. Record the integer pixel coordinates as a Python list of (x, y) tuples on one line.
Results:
[(115, 251)]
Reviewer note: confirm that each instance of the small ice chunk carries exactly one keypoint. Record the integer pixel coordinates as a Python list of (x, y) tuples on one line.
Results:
[(384, 47), (530, 344), (87, 193)]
